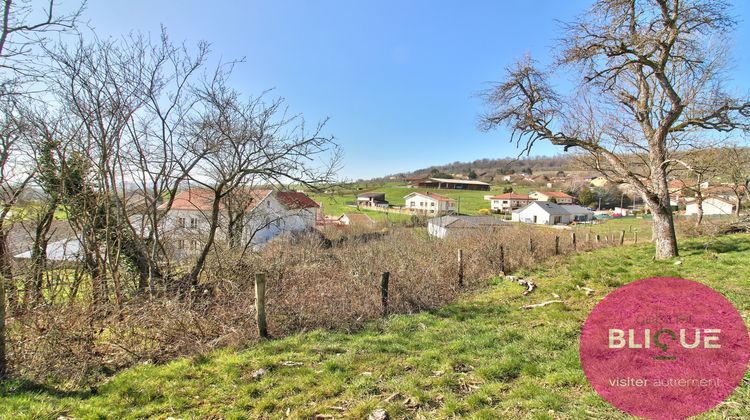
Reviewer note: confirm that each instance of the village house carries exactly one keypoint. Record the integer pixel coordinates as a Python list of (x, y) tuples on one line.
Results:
[(444, 226), (429, 203), (578, 213), (371, 199), (550, 213), (263, 215), (712, 206), (452, 184), (508, 201), (555, 196)]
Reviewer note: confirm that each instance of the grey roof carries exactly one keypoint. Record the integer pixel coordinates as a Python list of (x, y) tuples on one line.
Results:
[(548, 206), (458, 181), (576, 209), (64, 250), (466, 221)]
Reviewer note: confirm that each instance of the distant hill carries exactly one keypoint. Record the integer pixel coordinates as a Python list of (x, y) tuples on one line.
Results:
[(489, 170)]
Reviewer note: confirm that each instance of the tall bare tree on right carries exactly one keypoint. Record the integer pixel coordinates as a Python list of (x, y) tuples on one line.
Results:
[(650, 85)]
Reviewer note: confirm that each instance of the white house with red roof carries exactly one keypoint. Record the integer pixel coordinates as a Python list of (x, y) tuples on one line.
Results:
[(712, 206), (260, 214), (508, 201), (429, 203), (554, 196)]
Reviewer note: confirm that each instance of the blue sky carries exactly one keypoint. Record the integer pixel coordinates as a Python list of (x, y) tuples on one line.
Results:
[(398, 79)]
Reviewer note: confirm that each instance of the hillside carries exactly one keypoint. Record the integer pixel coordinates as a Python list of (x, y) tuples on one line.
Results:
[(483, 357), (488, 169)]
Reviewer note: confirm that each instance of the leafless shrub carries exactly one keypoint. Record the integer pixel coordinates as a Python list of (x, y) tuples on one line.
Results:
[(311, 283)]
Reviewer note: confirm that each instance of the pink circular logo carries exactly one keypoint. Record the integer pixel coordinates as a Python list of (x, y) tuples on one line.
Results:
[(664, 348)]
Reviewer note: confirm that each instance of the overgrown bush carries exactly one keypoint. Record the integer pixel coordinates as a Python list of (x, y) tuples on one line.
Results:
[(313, 282)]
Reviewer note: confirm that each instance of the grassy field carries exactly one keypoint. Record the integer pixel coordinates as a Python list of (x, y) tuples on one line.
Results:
[(482, 357), (469, 202)]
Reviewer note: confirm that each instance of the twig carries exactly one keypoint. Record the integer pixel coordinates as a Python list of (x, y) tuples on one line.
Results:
[(539, 305)]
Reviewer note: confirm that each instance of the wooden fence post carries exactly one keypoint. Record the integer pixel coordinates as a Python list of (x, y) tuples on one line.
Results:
[(460, 268), (622, 237), (502, 259), (557, 245), (588, 237), (573, 240), (597, 238), (635, 237), (384, 291), (531, 245), (260, 304)]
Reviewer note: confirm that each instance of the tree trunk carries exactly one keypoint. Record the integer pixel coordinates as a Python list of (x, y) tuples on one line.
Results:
[(39, 252), (739, 205), (5, 278), (664, 233), (699, 202), (192, 277), (658, 201)]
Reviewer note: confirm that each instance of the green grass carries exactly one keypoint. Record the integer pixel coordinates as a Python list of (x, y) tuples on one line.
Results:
[(30, 212), (482, 357), (470, 202)]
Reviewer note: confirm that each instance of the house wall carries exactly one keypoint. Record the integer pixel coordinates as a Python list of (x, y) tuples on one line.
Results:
[(429, 205), (710, 208), (538, 196), (268, 220), (507, 204), (542, 217)]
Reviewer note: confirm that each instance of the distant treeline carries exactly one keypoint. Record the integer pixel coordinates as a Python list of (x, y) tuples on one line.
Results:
[(489, 168)]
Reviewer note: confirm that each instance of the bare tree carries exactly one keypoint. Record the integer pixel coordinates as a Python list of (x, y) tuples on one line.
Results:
[(16, 172), (736, 162), (698, 168), (162, 155), (252, 142), (22, 30), (649, 70)]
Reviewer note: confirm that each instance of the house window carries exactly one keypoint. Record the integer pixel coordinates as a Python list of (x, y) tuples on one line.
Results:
[(432, 204), (194, 245), (193, 223), (181, 222), (181, 243)]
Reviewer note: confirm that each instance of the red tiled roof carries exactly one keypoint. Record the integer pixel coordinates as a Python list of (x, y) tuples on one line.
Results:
[(511, 196), (555, 194), (296, 200), (202, 199), (435, 196), (192, 199)]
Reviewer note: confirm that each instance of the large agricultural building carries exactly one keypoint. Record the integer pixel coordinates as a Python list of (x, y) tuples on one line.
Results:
[(451, 184)]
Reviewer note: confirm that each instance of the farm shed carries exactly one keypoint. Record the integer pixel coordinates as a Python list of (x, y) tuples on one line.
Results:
[(453, 184)]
